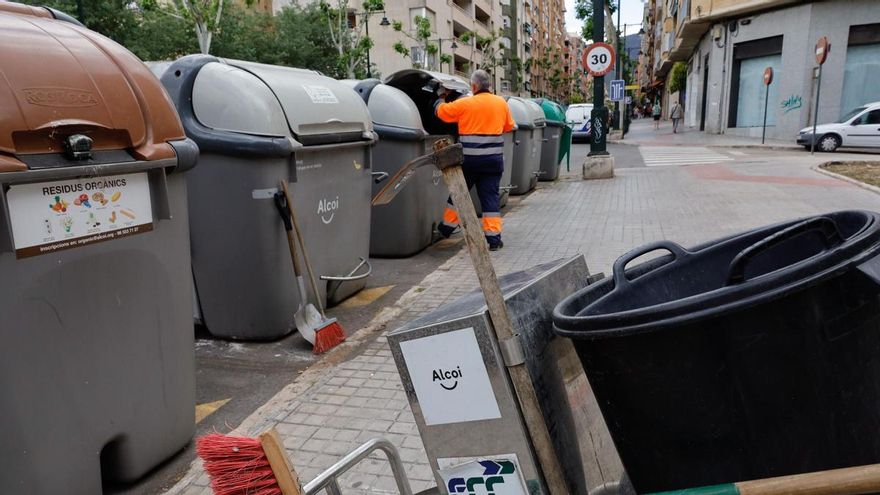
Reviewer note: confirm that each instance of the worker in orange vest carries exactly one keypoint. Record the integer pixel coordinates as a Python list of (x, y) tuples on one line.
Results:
[(482, 119)]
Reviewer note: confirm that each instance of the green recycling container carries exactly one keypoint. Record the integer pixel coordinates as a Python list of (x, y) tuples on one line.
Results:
[(557, 139)]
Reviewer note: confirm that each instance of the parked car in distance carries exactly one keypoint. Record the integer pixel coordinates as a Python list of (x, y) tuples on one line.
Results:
[(577, 116), (859, 128)]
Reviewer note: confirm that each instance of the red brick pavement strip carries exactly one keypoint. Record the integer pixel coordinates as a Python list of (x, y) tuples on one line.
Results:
[(720, 172)]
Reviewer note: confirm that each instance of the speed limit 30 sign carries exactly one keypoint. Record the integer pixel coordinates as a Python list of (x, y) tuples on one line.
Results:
[(599, 59)]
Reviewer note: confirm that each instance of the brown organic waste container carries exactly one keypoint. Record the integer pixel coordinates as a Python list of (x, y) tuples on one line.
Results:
[(96, 340)]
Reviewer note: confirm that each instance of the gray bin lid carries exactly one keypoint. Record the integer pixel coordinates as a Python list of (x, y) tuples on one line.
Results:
[(525, 115), (254, 109), (536, 113), (391, 107), (264, 99)]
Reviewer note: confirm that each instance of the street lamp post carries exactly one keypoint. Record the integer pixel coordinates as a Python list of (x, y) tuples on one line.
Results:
[(383, 22), (440, 41)]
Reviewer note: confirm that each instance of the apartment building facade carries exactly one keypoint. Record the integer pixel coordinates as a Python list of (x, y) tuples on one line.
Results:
[(727, 45)]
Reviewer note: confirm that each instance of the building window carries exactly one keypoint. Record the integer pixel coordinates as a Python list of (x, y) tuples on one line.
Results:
[(747, 90), (862, 68)]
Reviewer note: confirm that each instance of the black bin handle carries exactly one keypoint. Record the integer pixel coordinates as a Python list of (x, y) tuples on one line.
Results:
[(619, 272), (826, 226)]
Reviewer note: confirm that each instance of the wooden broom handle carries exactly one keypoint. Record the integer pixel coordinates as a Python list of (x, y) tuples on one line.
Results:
[(285, 476), (302, 248), (845, 481), (525, 391)]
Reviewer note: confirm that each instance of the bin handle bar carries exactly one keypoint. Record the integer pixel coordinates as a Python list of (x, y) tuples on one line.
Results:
[(825, 226), (328, 479), (351, 276), (619, 271), (379, 176)]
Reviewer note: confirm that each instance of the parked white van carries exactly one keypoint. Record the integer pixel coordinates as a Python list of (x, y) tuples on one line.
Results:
[(577, 116)]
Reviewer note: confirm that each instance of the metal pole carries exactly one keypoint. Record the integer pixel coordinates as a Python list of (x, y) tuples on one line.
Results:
[(622, 76), (598, 117), (816, 112), (617, 104), (80, 12), (367, 28), (766, 98)]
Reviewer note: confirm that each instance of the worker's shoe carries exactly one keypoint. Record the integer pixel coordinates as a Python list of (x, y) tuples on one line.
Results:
[(495, 245), (446, 230)]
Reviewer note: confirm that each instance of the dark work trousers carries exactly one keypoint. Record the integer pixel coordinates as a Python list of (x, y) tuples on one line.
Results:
[(484, 172)]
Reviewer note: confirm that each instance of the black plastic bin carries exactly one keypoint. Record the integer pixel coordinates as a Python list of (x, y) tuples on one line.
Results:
[(753, 356)]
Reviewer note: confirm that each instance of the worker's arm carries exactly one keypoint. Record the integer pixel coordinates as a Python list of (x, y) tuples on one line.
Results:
[(452, 111), (509, 124)]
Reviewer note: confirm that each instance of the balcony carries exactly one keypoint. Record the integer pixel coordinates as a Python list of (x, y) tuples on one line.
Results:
[(714, 10)]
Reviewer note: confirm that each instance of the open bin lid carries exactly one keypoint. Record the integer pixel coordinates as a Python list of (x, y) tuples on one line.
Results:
[(85, 84), (418, 85)]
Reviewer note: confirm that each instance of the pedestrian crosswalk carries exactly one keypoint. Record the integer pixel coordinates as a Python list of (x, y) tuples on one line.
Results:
[(664, 156)]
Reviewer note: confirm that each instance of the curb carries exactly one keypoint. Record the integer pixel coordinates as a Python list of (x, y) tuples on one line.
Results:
[(774, 147), (819, 168)]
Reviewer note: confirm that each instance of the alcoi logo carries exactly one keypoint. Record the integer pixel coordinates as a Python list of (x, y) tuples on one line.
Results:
[(328, 207), (444, 377)]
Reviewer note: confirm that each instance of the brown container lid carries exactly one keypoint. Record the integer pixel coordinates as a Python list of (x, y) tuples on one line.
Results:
[(58, 79)]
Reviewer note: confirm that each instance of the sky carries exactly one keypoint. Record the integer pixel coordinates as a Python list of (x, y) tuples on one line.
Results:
[(631, 13)]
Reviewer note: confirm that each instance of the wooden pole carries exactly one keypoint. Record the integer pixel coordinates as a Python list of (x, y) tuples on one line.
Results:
[(519, 375)]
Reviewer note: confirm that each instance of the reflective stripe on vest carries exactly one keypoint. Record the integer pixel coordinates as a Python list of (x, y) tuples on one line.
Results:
[(481, 144)]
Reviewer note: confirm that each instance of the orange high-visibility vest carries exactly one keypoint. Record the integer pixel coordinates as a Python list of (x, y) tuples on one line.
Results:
[(482, 119)]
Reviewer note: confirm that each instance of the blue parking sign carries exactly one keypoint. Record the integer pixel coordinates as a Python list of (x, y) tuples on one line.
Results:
[(618, 90)]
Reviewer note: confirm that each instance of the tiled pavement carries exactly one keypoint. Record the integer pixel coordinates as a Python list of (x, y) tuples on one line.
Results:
[(355, 394)]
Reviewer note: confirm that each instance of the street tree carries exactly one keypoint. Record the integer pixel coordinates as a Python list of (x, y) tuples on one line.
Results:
[(115, 19), (348, 36), (583, 11), (420, 35), (205, 16)]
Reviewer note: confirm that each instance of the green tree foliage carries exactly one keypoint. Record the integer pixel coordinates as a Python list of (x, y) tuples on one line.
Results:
[(678, 77), (112, 18), (583, 11), (247, 35), (419, 34), (296, 36), (160, 36), (302, 41)]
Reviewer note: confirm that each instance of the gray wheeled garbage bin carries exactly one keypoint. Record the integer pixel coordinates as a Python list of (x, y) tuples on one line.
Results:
[(97, 361), (258, 125), (406, 225), (554, 135), (528, 141)]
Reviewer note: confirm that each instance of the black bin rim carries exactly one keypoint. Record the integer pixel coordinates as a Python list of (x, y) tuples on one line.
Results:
[(568, 320)]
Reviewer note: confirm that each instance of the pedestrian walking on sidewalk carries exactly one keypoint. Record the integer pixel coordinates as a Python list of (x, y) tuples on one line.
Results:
[(676, 113), (482, 119), (656, 111)]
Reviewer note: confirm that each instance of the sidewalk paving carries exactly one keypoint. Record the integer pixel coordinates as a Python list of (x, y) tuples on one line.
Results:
[(355, 394), (642, 133)]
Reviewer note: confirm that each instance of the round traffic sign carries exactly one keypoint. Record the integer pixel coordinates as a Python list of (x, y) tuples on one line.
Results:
[(822, 49), (599, 59), (768, 76)]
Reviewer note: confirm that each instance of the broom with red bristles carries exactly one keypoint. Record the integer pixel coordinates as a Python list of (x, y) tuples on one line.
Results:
[(329, 332), (247, 466)]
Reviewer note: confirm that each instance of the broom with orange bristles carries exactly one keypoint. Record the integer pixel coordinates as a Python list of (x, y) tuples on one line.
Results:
[(328, 331), (247, 466)]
